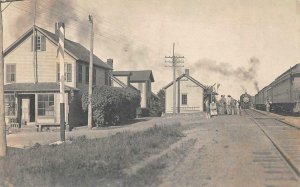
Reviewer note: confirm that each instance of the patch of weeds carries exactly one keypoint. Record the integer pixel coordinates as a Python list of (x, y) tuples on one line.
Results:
[(85, 162), (150, 175)]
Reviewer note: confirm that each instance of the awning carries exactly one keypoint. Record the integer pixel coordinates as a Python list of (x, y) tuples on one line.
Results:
[(36, 87)]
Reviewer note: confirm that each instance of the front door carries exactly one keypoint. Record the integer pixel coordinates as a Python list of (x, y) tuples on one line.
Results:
[(25, 118)]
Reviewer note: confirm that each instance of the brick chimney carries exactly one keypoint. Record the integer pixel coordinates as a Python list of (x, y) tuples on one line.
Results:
[(187, 71), (110, 62)]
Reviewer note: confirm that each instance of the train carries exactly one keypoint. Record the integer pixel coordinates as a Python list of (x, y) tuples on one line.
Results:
[(283, 94), (246, 101)]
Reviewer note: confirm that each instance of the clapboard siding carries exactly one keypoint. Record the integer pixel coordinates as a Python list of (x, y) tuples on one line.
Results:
[(47, 64), (22, 56), (194, 94), (100, 76), (47, 61)]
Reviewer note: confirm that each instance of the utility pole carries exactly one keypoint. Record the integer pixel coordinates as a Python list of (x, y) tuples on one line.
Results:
[(90, 109), (34, 45), (3, 143), (175, 61), (61, 54)]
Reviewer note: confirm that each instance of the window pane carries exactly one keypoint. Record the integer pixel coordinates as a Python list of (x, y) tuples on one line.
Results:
[(9, 104), (69, 73), (11, 73), (41, 112), (184, 99), (46, 105)]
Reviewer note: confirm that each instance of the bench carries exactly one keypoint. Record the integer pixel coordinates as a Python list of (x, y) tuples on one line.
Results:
[(40, 126)]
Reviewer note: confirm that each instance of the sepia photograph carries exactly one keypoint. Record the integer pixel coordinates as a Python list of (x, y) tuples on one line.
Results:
[(138, 93)]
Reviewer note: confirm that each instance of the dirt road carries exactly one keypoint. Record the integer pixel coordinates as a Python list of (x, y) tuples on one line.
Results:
[(227, 151), (230, 151)]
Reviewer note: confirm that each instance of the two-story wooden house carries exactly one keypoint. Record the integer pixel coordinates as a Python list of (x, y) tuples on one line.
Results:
[(32, 79), (141, 80)]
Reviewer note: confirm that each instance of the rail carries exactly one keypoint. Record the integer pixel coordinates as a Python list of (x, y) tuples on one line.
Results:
[(281, 151)]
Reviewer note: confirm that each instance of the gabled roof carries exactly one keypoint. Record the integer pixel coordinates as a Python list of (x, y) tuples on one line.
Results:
[(36, 87), (136, 76), (76, 50), (188, 77)]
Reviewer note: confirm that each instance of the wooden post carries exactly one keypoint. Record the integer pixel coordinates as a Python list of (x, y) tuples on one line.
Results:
[(3, 143), (90, 109), (61, 51), (34, 46)]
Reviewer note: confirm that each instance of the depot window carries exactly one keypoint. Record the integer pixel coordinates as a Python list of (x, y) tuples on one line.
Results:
[(184, 99)]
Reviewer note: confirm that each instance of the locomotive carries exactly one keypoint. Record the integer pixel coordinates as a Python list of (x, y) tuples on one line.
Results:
[(246, 101)]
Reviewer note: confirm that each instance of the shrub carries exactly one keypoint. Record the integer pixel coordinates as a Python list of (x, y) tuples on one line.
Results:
[(157, 104), (112, 105)]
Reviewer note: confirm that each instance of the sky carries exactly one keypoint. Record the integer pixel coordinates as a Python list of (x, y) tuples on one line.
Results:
[(240, 44)]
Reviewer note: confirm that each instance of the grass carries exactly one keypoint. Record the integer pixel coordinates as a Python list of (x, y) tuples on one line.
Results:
[(84, 162), (150, 175)]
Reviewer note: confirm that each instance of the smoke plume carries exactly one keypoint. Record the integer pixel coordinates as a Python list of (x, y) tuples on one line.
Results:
[(242, 74), (47, 12)]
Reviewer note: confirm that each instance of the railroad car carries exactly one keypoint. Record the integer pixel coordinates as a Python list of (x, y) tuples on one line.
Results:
[(246, 101), (261, 98), (283, 93)]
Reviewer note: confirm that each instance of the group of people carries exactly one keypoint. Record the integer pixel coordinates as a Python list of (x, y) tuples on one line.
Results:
[(226, 105)]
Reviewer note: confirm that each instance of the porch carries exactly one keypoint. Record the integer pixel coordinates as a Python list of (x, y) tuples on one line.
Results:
[(28, 104)]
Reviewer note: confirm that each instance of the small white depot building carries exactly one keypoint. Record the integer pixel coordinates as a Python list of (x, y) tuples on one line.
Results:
[(189, 97)]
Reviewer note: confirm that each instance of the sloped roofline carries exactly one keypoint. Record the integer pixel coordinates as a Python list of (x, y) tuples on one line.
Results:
[(29, 33), (188, 77), (131, 73)]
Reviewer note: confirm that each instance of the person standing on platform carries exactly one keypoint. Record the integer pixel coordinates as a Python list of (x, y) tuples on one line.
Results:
[(207, 110), (228, 105), (238, 110)]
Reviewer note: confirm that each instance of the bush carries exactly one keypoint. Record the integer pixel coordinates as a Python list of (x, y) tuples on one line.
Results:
[(112, 105), (157, 104)]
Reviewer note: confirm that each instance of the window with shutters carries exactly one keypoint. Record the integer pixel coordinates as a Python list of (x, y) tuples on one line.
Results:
[(10, 73), (40, 43)]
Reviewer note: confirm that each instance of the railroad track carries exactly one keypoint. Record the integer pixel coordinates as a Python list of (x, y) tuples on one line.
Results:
[(284, 137)]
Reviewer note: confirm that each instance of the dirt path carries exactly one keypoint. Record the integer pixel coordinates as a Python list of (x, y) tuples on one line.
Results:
[(27, 139), (230, 151)]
